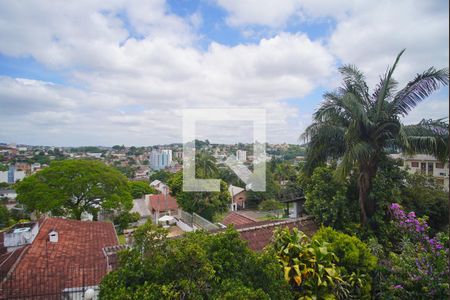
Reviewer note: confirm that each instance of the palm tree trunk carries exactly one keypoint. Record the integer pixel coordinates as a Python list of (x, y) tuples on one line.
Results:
[(367, 206)]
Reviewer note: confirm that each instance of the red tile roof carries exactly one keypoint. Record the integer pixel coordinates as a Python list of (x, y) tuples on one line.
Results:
[(259, 234), (76, 260), (161, 202), (236, 218)]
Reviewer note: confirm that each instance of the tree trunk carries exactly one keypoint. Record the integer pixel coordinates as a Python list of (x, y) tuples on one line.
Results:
[(366, 205)]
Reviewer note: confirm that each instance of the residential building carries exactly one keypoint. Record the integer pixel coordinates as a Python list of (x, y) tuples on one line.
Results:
[(426, 164), (241, 155), (9, 194), (238, 197), (63, 260), (12, 175), (162, 205), (160, 159), (159, 186)]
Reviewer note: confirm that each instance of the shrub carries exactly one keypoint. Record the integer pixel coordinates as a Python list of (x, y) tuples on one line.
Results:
[(354, 259)]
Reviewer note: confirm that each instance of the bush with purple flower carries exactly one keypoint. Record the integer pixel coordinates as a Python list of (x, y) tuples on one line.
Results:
[(420, 267)]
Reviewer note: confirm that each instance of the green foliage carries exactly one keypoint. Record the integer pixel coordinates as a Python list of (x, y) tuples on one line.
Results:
[(161, 175), (140, 188), (197, 266), (425, 197), (354, 258), (4, 216), (329, 200), (71, 187), (356, 125), (3, 167), (309, 267), (123, 219), (270, 205), (206, 204)]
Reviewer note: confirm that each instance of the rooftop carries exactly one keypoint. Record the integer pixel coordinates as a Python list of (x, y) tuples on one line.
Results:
[(162, 202), (75, 260)]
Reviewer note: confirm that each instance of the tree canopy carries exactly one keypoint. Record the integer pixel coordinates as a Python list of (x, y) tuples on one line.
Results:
[(356, 126), (140, 188), (197, 266), (71, 187)]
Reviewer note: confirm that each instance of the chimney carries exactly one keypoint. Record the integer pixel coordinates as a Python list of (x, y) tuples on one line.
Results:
[(53, 236)]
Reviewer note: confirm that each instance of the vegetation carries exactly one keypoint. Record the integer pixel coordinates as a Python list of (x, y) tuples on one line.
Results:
[(206, 204), (140, 188), (72, 187), (357, 126), (4, 216), (198, 266), (161, 175)]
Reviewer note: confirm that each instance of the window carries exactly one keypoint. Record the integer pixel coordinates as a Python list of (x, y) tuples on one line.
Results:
[(439, 165), (414, 164)]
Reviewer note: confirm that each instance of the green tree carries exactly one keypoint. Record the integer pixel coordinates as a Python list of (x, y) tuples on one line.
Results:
[(4, 216), (206, 204), (357, 126), (161, 175), (423, 195), (197, 266), (270, 205), (328, 200), (205, 165), (72, 187), (140, 188)]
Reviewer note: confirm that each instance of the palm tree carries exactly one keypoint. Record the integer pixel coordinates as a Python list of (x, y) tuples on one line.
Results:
[(356, 127), (206, 166)]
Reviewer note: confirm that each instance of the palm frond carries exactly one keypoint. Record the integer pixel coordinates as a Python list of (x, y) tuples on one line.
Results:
[(387, 84), (418, 89), (428, 137)]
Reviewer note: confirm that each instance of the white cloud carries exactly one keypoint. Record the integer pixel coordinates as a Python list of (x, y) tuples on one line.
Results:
[(133, 65), (272, 13)]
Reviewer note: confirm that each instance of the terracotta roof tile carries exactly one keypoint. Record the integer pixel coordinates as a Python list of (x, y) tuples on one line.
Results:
[(236, 219), (259, 234), (161, 202), (76, 260)]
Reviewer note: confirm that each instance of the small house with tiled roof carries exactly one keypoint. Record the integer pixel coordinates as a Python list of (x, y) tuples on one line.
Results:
[(65, 257)]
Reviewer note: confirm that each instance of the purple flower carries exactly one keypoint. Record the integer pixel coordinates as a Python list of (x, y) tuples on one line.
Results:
[(398, 286)]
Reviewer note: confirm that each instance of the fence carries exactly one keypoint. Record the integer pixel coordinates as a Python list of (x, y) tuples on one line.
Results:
[(203, 223), (53, 283)]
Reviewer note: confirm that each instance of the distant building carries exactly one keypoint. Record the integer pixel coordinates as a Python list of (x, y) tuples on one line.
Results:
[(238, 197), (159, 186), (162, 205), (160, 159), (241, 155), (12, 175), (426, 164)]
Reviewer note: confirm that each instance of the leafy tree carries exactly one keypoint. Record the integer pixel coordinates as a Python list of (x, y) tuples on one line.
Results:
[(161, 175), (197, 266), (357, 126), (140, 188), (3, 167), (270, 205), (123, 219), (72, 187), (328, 200), (205, 165), (423, 195), (4, 216), (206, 204)]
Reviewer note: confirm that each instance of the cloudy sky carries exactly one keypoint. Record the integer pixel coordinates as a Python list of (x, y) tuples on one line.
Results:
[(121, 72)]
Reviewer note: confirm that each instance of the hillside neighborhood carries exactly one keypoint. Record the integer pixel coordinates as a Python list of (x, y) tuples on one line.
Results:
[(224, 150)]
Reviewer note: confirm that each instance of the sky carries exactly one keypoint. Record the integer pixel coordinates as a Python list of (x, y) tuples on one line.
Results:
[(112, 72)]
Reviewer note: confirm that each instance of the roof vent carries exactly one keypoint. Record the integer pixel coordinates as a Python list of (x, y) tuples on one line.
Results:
[(53, 236)]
